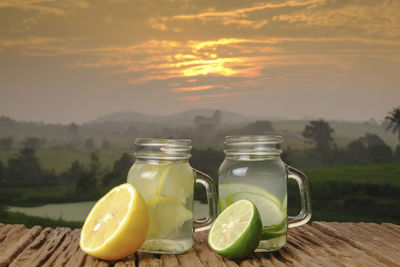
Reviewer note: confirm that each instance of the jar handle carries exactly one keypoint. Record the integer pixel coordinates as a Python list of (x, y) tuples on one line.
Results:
[(209, 184), (305, 213)]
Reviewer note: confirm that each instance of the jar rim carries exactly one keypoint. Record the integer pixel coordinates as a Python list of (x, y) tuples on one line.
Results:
[(253, 145), (162, 141), (253, 139), (163, 148)]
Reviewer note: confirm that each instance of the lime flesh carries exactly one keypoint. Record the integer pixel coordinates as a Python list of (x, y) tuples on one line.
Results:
[(272, 212), (237, 230)]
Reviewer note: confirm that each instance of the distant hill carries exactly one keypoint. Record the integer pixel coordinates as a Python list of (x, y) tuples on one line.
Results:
[(181, 118), (127, 116), (122, 128)]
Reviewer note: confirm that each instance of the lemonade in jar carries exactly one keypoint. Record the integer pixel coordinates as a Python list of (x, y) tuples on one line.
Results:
[(253, 170), (165, 179)]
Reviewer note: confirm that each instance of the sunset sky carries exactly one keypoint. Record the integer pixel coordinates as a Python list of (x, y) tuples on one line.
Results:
[(73, 60)]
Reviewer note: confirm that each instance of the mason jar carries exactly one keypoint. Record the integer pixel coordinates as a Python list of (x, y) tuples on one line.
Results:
[(163, 176), (253, 170)]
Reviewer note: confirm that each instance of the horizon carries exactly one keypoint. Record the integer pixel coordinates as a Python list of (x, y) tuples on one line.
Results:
[(76, 60), (307, 117)]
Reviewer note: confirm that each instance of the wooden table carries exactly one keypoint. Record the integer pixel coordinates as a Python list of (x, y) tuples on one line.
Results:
[(318, 244)]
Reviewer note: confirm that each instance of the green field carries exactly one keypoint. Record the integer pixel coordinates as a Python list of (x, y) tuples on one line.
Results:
[(373, 174), (369, 193), (60, 160)]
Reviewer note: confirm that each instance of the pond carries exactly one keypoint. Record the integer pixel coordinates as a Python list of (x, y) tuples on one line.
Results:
[(79, 210)]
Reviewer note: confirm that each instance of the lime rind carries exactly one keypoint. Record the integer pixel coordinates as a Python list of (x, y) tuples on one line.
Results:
[(237, 231), (228, 190), (271, 213), (273, 231)]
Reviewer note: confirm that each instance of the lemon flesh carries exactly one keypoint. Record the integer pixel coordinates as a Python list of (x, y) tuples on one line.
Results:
[(117, 224), (237, 230)]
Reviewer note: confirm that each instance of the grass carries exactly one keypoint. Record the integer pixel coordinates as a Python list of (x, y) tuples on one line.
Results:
[(60, 160), (37, 196), (369, 193), (30, 221), (373, 174)]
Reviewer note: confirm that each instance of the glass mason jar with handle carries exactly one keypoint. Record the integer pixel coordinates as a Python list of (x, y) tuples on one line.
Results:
[(253, 170), (164, 178)]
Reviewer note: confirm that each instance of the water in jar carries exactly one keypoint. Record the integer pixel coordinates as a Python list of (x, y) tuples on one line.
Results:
[(167, 189), (264, 183)]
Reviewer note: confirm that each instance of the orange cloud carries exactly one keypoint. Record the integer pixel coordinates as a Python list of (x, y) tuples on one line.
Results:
[(194, 88), (196, 98), (241, 12)]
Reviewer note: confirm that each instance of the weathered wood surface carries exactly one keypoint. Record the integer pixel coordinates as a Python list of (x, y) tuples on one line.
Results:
[(321, 244)]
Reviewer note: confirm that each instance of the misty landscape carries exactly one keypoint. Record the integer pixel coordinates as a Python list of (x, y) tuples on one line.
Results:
[(81, 80), (52, 174)]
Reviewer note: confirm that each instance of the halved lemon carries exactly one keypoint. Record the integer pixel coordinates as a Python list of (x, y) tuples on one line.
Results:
[(117, 225)]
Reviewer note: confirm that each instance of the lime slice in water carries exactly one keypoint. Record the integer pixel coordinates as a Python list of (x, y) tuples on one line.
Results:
[(176, 182), (229, 190), (236, 231), (271, 212), (166, 216)]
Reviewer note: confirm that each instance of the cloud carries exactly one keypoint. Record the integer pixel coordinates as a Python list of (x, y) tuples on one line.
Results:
[(35, 5), (242, 12), (194, 88), (225, 45)]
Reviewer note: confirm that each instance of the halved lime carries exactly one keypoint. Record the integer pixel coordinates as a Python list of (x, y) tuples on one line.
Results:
[(236, 231), (166, 216)]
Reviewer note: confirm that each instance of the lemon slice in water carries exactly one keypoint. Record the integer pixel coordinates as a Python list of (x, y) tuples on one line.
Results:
[(176, 182), (166, 216)]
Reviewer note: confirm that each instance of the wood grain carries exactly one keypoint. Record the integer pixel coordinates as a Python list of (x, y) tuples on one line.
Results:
[(318, 244)]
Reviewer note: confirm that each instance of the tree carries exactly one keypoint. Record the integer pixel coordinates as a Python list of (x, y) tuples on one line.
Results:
[(357, 152), (120, 171), (89, 144), (6, 142), (73, 129), (320, 132), (203, 122), (32, 142), (258, 127), (397, 152), (94, 165), (371, 140), (393, 120), (105, 144), (380, 153), (1, 172), (23, 169), (217, 118), (74, 172), (86, 183)]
